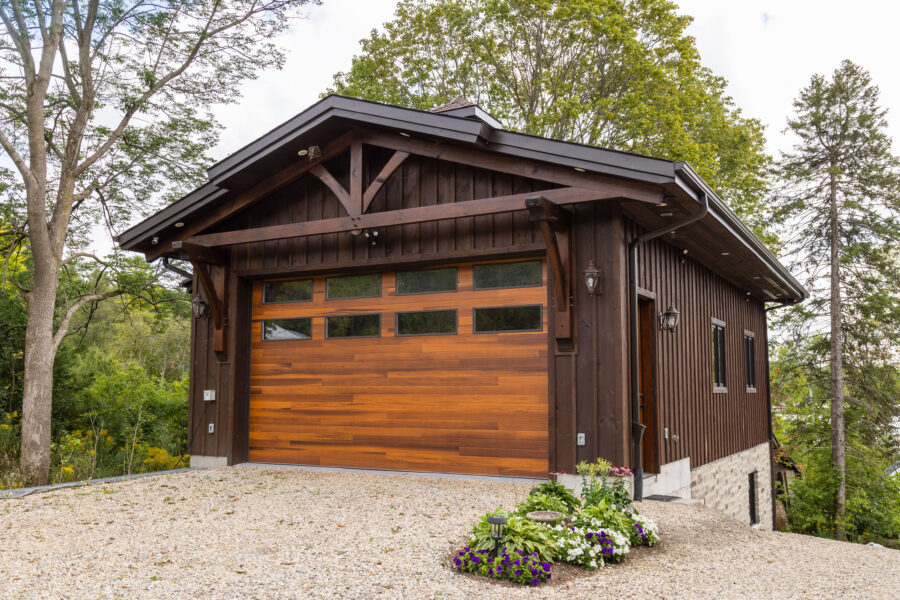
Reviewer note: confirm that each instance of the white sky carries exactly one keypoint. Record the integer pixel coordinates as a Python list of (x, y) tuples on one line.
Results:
[(766, 49)]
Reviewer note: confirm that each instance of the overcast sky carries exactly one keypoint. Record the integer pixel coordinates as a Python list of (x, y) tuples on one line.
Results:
[(766, 49)]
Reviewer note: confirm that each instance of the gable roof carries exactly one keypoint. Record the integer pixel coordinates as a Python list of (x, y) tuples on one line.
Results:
[(464, 123)]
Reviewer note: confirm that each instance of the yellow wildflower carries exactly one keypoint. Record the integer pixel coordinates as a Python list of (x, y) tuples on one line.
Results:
[(5, 426)]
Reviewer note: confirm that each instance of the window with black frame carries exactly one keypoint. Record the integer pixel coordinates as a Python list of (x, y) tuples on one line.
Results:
[(718, 355), (750, 360)]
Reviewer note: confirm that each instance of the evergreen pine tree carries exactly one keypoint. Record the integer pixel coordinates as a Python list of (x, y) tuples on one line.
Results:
[(839, 209)]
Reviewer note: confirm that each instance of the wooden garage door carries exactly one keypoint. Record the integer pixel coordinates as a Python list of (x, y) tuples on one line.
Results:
[(427, 378)]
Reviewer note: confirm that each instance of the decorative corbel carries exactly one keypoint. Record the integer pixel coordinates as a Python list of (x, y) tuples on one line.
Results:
[(555, 225), (215, 287)]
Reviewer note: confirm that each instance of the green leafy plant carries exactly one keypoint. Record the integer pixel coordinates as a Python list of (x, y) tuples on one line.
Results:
[(554, 488), (518, 534), (603, 515), (542, 502), (595, 486)]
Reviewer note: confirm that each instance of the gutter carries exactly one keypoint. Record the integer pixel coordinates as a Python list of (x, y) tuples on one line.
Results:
[(637, 428), (687, 180)]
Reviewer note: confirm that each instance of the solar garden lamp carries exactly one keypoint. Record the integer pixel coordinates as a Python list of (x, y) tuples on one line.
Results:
[(498, 523)]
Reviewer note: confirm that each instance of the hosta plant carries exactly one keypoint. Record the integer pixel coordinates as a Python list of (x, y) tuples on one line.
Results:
[(516, 566), (542, 502), (518, 534), (554, 488), (605, 516)]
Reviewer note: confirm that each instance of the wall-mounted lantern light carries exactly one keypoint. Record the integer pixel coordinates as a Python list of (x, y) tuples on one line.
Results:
[(668, 320), (498, 523), (592, 279), (200, 308)]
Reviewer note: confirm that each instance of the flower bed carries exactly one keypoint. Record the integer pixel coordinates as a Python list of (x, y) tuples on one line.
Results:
[(593, 531)]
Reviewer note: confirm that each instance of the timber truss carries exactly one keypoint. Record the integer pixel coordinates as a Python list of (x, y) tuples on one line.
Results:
[(208, 253)]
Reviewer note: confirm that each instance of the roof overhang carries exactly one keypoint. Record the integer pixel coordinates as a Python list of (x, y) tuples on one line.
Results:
[(759, 271)]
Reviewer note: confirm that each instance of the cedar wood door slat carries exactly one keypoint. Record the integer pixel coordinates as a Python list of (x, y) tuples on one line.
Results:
[(465, 403)]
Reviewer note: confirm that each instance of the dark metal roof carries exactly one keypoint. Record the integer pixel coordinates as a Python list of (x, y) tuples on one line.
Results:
[(453, 104), (462, 124)]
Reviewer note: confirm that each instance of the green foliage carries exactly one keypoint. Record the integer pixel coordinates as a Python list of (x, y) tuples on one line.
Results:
[(518, 534), (603, 514), (542, 502), (554, 488), (840, 203), (622, 74), (595, 486)]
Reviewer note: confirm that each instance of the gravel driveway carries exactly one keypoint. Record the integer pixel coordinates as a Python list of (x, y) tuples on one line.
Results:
[(252, 532)]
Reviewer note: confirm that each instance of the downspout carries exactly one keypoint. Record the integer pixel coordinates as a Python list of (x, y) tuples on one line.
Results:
[(187, 283), (637, 428)]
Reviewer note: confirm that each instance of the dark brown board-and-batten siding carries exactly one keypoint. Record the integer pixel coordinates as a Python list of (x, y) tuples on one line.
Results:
[(709, 425), (588, 386), (418, 182)]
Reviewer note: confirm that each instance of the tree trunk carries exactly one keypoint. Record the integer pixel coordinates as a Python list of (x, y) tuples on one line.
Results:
[(838, 443), (37, 399)]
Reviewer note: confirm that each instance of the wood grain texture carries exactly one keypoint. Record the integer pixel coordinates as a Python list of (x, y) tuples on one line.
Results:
[(464, 403), (709, 425)]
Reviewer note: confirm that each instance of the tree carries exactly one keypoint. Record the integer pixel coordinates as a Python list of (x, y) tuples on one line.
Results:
[(841, 202), (104, 110), (622, 74)]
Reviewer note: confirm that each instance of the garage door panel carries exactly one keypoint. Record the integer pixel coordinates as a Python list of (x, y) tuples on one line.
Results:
[(463, 402), (414, 460), (465, 443)]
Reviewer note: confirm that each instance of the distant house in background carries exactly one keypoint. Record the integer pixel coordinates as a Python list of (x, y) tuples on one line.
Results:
[(388, 288)]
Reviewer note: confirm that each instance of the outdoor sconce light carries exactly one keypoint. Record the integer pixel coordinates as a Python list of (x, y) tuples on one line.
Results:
[(592, 279), (498, 523), (200, 308), (668, 320)]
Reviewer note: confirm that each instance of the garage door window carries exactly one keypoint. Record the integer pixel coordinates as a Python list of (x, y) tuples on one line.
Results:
[(353, 286), (426, 322), (287, 329), (297, 290), (429, 281), (505, 275), (346, 326), (508, 318)]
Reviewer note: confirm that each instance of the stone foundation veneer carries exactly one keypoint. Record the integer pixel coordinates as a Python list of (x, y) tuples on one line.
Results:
[(725, 486), (208, 462)]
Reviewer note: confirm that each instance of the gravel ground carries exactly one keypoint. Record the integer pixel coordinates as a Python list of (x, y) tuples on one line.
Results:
[(251, 532)]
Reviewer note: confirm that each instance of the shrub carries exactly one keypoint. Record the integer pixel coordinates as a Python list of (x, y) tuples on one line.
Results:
[(515, 566), (158, 459), (536, 502), (10, 429), (518, 534), (554, 488)]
